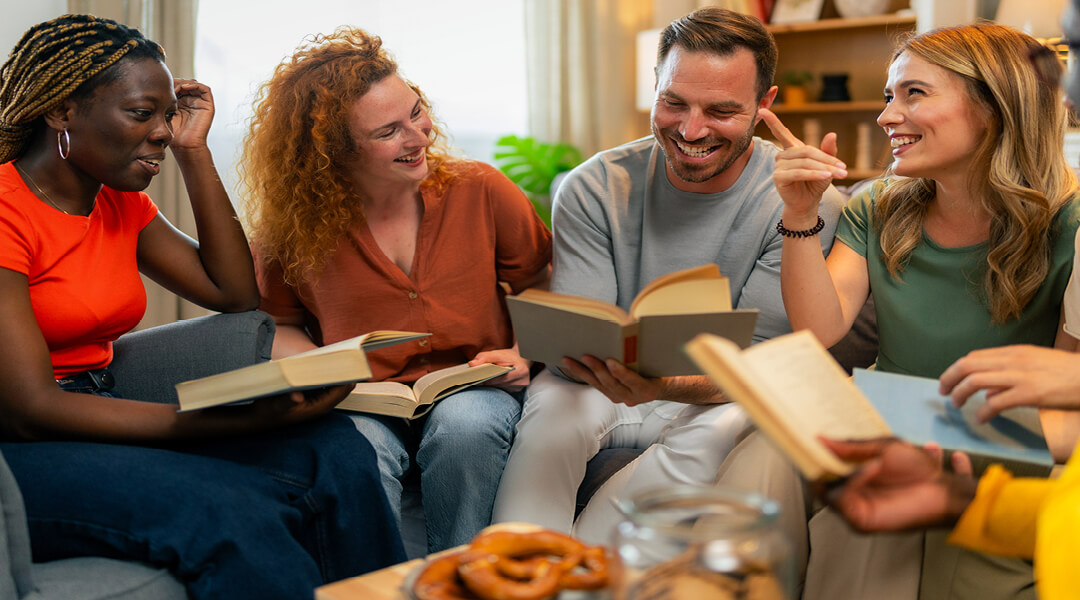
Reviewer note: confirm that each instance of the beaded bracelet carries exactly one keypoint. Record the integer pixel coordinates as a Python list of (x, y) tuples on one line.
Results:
[(816, 229)]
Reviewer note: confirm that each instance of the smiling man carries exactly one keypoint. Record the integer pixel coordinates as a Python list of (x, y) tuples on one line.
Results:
[(699, 190)]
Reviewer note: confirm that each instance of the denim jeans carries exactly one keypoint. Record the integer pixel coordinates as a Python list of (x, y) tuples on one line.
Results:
[(460, 448), (263, 516)]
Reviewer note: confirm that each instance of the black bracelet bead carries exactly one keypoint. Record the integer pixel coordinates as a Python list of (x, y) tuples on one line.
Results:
[(804, 233)]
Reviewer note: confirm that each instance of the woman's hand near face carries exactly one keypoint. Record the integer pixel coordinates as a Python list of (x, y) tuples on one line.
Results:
[(803, 172), (215, 272), (511, 381), (194, 114)]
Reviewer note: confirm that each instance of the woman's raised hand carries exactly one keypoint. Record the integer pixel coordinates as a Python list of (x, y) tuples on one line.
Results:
[(194, 113), (803, 172)]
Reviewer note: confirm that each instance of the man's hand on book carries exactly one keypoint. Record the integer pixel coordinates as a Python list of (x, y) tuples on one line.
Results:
[(512, 381), (898, 485), (614, 380), (1015, 376)]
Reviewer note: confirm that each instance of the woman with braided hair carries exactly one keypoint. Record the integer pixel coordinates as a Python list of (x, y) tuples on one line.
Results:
[(292, 498)]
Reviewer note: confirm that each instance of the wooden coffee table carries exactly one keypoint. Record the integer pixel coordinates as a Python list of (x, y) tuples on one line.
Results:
[(384, 584)]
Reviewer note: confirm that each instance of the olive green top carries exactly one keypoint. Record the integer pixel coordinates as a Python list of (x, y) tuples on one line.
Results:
[(936, 313)]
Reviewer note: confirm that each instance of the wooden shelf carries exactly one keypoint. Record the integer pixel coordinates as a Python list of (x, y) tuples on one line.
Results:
[(861, 48), (904, 20), (830, 107)]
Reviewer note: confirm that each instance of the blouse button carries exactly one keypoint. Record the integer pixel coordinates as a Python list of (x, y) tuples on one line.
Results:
[(423, 342), (413, 295)]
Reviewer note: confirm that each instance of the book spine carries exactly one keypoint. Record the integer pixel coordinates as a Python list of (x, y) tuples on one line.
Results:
[(630, 347)]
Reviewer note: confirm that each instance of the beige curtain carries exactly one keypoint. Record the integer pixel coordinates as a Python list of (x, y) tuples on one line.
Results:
[(580, 59), (171, 23)]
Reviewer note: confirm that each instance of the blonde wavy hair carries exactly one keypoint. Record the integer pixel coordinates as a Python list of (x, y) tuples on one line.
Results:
[(1019, 170), (298, 196)]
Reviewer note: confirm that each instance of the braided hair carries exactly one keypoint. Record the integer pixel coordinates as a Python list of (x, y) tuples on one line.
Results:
[(67, 57)]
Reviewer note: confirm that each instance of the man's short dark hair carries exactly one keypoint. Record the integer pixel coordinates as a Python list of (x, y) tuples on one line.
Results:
[(721, 32)]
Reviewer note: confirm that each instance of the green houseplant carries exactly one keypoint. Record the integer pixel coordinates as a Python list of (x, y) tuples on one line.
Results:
[(795, 87), (533, 165)]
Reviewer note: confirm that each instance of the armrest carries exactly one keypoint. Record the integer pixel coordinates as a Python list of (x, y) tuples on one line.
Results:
[(148, 363), (15, 578)]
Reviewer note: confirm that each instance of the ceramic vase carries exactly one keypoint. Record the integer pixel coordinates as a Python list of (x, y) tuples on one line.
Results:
[(861, 8)]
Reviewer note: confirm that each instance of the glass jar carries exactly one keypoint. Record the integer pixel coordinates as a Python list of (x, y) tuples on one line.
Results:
[(686, 542)]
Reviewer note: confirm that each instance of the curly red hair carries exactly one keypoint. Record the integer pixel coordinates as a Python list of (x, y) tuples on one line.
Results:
[(298, 196)]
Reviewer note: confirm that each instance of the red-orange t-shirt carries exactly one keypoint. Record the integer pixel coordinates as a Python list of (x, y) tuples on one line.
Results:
[(481, 230), (84, 280)]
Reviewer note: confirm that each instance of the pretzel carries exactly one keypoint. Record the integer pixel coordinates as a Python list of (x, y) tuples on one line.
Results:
[(439, 580), (520, 553), (595, 561), (482, 577), (514, 565)]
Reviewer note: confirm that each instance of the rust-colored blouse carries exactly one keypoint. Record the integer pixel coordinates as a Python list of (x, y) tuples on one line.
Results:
[(481, 230)]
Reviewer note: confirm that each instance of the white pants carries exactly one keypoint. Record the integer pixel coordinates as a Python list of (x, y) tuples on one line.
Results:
[(564, 424)]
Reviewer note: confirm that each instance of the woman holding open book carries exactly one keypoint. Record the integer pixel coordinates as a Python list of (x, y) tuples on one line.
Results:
[(968, 241), (374, 226), (87, 109)]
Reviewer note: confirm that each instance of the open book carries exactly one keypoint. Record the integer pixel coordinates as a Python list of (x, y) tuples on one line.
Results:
[(795, 392), (648, 338), (337, 363), (916, 412), (399, 400)]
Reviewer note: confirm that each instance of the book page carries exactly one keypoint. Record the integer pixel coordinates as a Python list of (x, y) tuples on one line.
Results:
[(794, 391), (441, 383), (685, 298), (688, 291), (384, 388), (369, 341), (812, 389), (576, 304), (381, 397), (353, 343), (384, 337)]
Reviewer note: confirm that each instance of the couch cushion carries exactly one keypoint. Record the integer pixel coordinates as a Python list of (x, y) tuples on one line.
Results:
[(148, 363), (16, 579), (104, 579)]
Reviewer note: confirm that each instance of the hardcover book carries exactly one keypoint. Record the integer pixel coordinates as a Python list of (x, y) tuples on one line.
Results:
[(341, 362), (648, 338), (400, 400)]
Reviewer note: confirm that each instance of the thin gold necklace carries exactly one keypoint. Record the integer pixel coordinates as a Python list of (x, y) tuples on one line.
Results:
[(38, 188)]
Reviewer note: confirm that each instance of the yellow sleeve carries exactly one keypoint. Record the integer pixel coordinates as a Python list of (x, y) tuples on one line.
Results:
[(1029, 517), (1002, 517), (1058, 538)]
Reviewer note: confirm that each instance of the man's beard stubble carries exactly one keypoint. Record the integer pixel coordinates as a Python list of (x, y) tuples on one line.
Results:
[(692, 175)]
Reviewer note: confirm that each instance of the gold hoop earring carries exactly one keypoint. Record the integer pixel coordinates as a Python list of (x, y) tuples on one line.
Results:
[(62, 138)]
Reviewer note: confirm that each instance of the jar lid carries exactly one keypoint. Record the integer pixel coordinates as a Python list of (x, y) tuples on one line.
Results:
[(694, 512)]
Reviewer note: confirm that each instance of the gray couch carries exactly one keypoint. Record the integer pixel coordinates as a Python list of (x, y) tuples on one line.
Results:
[(147, 364)]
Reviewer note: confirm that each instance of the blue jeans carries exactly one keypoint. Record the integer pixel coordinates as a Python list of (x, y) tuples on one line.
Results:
[(460, 448), (263, 516)]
